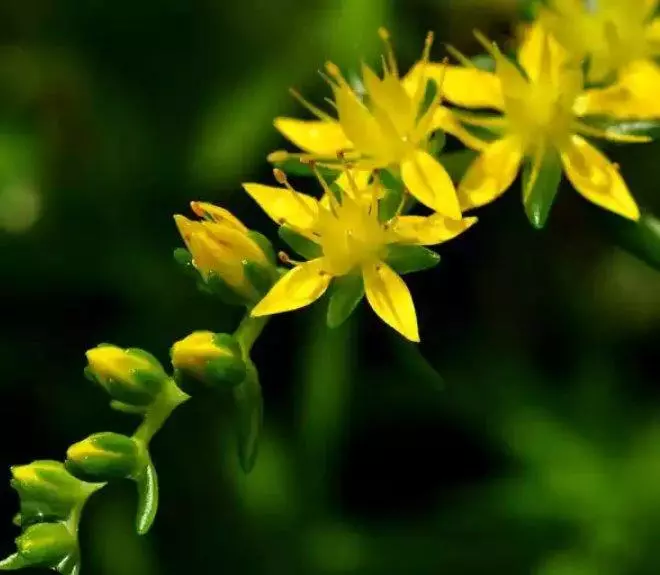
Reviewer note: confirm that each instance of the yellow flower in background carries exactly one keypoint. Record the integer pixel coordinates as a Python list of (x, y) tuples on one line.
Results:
[(619, 39), (220, 244), (541, 110), (389, 128), (351, 240)]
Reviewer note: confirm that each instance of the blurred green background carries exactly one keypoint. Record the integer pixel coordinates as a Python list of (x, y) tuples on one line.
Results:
[(527, 440)]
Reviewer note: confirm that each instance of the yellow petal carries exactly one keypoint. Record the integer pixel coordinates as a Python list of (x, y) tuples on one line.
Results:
[(284, 206), (240, 244), (218, 215), (596, 178), (298, 288), (428, 181), (448, 121), (315, 136), (359, 125), (540, 54), (390, 298), (491, 174), (467, 87), (389, 95), (633, 96), (429, 230)]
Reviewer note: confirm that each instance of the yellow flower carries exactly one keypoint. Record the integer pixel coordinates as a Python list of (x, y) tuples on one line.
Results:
[(220, 244), (541, 120), (350, 240), (620, 39), (389, 128)]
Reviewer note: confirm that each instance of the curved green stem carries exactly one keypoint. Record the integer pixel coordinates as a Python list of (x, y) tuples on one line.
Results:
[(249, 330), (158, 413)]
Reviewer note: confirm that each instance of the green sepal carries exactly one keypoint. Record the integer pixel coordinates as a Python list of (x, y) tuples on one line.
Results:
[(47, 490), (259, 277), (405, 258), (457, 163), (147, 487), (248, 403), (185, 260), (224, 372), (264, 244), (216, 286), (229, 342), (437, 143), (294, 167), (430, 92), (641, 238), (649, 128), (299, 244), (13, 563), (539, 195), (345, 294), (46, 544), (390, 205), (125, 408), (104, 456)]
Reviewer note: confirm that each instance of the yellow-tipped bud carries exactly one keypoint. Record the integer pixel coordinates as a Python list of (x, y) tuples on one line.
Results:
[(131, 376), (213, 359), (231, 259)]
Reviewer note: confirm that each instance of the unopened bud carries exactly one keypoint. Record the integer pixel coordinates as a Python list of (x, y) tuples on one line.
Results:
[(131, 376), (47, 490), (46, 544), (213, 359), (104, 456)]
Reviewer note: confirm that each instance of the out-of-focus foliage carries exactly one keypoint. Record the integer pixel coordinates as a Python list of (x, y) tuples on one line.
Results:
[(525, 442)]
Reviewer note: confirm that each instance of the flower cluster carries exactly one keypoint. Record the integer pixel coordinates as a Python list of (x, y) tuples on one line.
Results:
[(385, 193)]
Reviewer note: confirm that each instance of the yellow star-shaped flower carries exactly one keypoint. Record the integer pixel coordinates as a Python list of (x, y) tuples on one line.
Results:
[(351, 240), (389, 128), (620, 40), (541, 103)]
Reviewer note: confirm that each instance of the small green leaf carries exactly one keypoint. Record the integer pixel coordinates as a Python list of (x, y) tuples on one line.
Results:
[(147, 486), (13, 563), (299, 244), (405, 259), (540, 186), (430, 92), (390, 204), (264, 244), (249, 418), (219, 288), (437, 143), (457, 163), (648, 128), (641, 238), (260, 278), (346, 293), (484, 62)]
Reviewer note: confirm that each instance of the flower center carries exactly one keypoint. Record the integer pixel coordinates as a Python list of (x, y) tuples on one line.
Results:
[(350, 235)]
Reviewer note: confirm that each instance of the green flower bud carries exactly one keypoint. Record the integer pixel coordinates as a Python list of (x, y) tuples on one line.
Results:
[(214, 360), (46, 490), (131, 376), (105, 456), (46, 544)]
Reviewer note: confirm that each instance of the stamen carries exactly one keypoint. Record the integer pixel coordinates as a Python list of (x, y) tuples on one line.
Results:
[(490, 46), (336, 74), (351, 180), (385, 37), (459, 56), (286, 260), (197, 210), (278, 156), (281, 178), (320, 114), (324, 184)]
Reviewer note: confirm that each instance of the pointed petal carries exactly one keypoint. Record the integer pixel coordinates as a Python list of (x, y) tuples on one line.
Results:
[(540, 54), (429, 230), (315, 136), (359, 125), (390, 298), (284, 206), (428, 181), (389, 95), (633, 96), (447, 121), (596, 178), (467, 87), (298, 288), (218, 215), (491, 174)]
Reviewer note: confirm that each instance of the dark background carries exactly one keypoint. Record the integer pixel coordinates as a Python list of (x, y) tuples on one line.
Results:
[(527, 440)]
